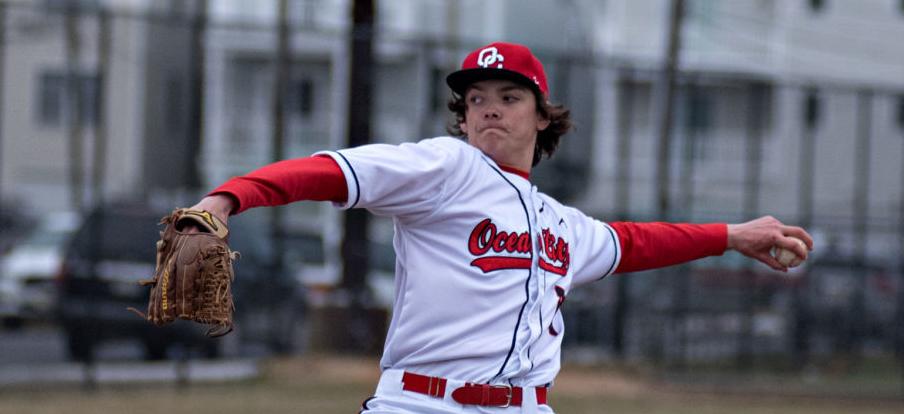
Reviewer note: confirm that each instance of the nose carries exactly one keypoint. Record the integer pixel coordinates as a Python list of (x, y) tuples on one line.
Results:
[(491, 112)]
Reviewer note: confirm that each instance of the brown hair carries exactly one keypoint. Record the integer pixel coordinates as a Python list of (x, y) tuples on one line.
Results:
[(547, 140)]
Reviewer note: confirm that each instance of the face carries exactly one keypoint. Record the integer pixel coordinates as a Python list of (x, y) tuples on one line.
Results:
[(502, 121)]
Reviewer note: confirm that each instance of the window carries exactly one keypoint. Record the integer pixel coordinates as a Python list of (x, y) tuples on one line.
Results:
[(301, 97), (698, 119), (307, 13), (175, 104), (811, 109), (60, 93), (439, 94), (84, 5), (89, 95), (901, 111), (699, 110), (53, 91), (817, 6)]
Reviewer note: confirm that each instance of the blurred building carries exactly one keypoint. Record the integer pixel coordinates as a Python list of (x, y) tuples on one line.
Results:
[(750, 69), (96, 101)]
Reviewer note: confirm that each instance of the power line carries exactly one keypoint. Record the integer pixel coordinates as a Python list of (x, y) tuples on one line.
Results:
[(731, 32)]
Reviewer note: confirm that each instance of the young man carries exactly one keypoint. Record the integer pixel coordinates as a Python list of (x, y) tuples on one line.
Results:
[(485, 260)]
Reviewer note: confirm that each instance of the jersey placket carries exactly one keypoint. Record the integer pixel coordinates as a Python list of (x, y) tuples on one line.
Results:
[(536, 291)]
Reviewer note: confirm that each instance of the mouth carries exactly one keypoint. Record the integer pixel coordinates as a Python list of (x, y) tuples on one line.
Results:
[(492, 127)]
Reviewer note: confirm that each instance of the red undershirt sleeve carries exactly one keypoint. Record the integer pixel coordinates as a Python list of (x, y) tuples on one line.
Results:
[(648, 246), (316, 178)]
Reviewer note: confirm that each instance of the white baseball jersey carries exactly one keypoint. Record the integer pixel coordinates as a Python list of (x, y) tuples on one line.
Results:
[(484, 260)]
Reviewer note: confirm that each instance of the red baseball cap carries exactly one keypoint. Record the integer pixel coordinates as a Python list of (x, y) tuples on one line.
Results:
[(500, 60)]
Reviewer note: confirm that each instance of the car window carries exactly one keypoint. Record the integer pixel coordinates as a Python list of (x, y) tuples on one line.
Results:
[(305, 247), (46, 238), (118, 236), (249, 236)]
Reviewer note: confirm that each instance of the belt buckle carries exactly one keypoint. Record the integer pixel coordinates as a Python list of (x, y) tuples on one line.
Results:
[(508, 401)]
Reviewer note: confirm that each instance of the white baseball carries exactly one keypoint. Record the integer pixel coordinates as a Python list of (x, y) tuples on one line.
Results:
[(787, 257)]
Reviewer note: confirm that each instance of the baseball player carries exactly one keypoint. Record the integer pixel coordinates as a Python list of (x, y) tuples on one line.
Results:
[(484, 259)]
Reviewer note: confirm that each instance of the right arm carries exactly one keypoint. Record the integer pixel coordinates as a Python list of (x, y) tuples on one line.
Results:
[(316, 178)]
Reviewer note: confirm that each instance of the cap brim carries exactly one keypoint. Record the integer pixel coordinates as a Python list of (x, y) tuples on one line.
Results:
[(460, 80)]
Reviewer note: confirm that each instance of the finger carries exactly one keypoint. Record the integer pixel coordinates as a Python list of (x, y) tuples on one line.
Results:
[(800, 233), (793, 244), (770, 261)]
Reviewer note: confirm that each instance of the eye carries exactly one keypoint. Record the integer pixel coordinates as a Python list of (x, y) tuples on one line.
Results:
[(510, 98), (475, 99)]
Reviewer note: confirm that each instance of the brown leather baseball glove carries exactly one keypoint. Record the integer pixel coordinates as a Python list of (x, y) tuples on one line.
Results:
[(193, 278)]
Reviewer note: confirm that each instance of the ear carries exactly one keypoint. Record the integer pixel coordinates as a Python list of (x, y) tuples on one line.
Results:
[(542, 123)]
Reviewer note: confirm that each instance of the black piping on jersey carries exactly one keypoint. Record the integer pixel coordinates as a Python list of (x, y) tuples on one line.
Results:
[(615, 256), (529, 274), (364, 406), (355, 177)]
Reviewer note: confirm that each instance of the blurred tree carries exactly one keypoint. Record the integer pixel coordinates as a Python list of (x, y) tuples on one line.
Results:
[(199, 29), (73, 111), (355, 254)]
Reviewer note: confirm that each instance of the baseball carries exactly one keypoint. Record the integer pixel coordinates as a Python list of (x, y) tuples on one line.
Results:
[(787, 257)]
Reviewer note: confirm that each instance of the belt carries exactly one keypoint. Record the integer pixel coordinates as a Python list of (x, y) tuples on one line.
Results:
[(471, 394)]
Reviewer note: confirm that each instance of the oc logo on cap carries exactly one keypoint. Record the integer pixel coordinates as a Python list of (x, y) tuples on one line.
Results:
[(489, 56)]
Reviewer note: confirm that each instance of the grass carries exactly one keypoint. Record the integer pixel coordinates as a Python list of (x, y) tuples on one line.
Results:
[(333, 384)]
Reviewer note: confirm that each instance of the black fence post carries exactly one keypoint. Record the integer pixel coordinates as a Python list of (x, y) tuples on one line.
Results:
[(899, 309), (860, 199), (622, 191), (801, 337), (756, 119)]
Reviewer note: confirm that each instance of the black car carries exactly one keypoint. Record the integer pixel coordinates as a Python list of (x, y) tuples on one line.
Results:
[(115, 247)]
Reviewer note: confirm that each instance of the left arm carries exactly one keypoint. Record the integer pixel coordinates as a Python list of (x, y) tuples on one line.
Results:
[(647, 246)]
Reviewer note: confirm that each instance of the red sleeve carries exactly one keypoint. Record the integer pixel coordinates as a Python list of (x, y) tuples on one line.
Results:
[(316, 178), (648, 246)]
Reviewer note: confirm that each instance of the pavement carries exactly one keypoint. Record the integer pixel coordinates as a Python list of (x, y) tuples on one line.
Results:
[(124, 372)]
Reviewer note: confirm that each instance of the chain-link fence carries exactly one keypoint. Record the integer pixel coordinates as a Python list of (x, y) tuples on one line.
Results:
[(826, 156)]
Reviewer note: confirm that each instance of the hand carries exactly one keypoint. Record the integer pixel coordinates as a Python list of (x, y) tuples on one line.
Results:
[(219, 205), (757, 238)]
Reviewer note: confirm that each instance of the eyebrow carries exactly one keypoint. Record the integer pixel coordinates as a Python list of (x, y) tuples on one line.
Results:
[(503, 89)]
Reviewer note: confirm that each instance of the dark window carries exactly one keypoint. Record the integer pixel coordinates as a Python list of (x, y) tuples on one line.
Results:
[(53, 91), (817, 5), (699, 110), (439, 92), (175, 104), (60, 93), (811, 109), (84, 5), (301, 97), (89, 94), (901, 111)]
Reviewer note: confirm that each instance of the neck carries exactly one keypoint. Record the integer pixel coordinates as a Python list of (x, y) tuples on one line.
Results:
[(516, 171)]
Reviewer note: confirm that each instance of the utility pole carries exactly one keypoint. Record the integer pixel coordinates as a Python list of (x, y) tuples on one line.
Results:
[(665, 104), (196, 124), (73, 102), (277, 138), (2, 82), (281, 81), (100, 128), (355, 250)]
